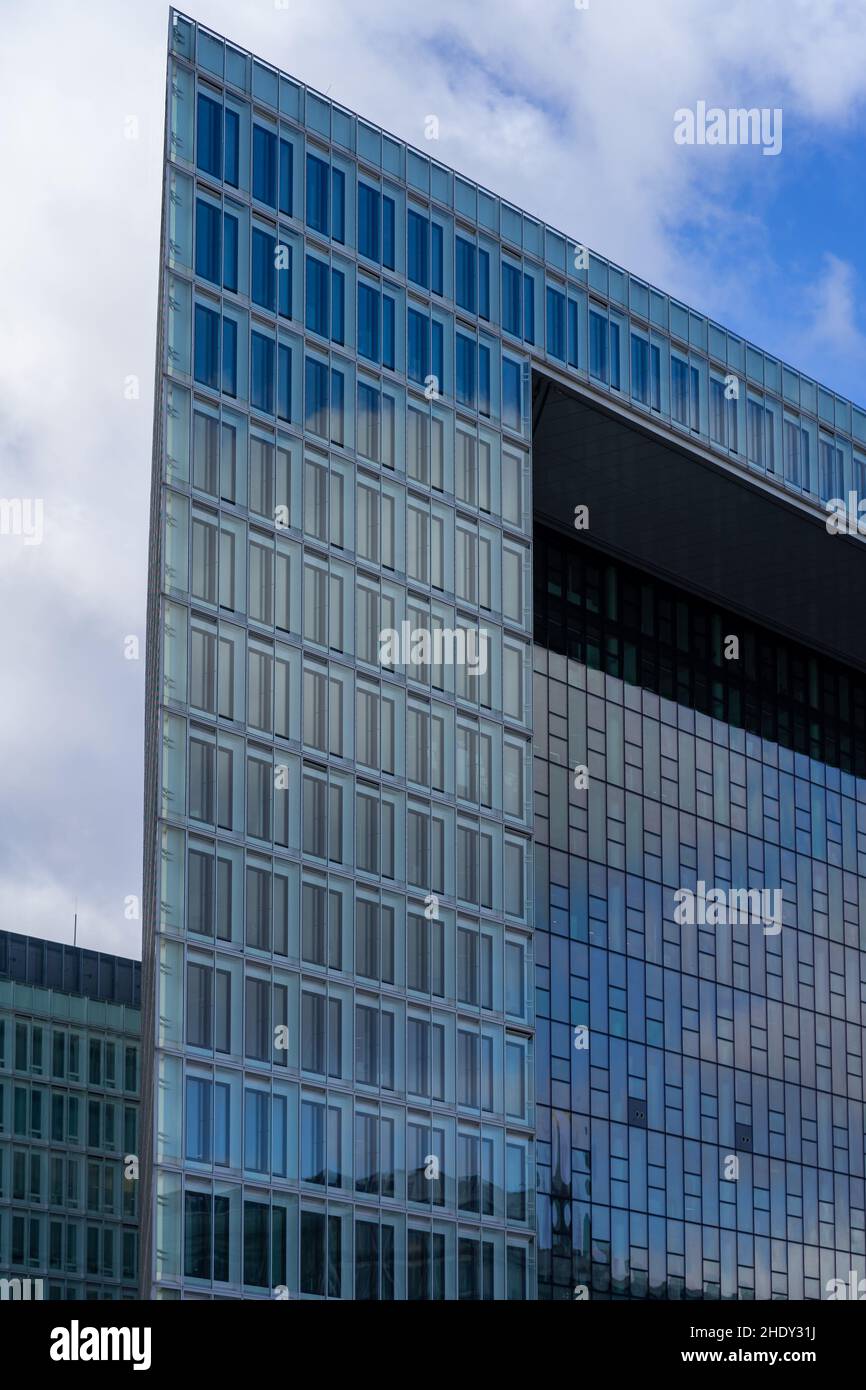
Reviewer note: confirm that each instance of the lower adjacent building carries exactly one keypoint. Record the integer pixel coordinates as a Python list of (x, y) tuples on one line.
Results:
[(70, 1038)]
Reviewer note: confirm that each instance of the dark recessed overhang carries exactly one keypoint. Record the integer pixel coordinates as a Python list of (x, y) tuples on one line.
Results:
[(697, 522)]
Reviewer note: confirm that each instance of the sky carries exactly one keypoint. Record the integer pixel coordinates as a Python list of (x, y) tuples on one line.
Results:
[(565, 110)]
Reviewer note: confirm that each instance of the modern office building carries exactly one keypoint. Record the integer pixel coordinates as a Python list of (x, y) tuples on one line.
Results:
[(69, 1094), (422, 1023)]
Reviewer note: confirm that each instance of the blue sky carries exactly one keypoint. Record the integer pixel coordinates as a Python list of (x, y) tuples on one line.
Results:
[(568, 113)]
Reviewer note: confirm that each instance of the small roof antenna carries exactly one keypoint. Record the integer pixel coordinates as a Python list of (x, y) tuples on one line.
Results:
[(75, 925)]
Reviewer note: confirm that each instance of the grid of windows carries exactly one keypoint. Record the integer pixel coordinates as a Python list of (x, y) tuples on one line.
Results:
[(69, 1141), (700, 1088), (613, 618), (340, 839)]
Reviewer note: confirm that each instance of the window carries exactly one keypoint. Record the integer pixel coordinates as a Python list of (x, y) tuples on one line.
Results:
[(723, 415), (262, 373), (368, 221), (199, 1005), (338, 205), (230, 252), (685, 393), (464, 292), (389, 232), (465, 370), (511, 299), (368, 322), (640, 369), (573, 334), (264, 165), (389, 332), (198, 1120), (512, 409), (209, 149), (206, 365), (529, 308), (437, 262), (284, 381), (418, 367), (287, 170), (483, 283), (418, 249), (317, 194), (796, 446), (205, 452), (318, 309), (263, 289), (556, 323), (232, 160), (597, 346), (207, 241), (832, 482)]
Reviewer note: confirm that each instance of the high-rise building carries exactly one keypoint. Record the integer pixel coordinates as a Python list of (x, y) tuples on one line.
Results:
[(69, 1097), (389, 407)]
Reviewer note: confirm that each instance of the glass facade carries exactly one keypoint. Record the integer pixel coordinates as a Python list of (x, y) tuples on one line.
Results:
[(700, 1085), (69, 1101), (338, 855), (340, 878)]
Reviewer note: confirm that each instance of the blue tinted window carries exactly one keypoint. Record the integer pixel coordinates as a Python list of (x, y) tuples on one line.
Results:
[(230, 357), (338, 215), (597, 345), (388, 332), (679, 391), (287, 167), (262, 373), (389, 232), (418, 253), (437, 354), (483, 379), (464, 292), (573, 340), (209, 146), (317, 194), (198, 1119), (338, 397), (368, 221), (265, 166), (284, 383), (511, 402), (207, 241), (368, 322), (418, 366), (207, 334), (232, 148), (529, 308), (656, 379), (230, 251), (465, 370), (284, 280), (317, 311), (511, 299), (483, 283), (263, 288), (556, 324), (614, 356), (639, 369), (832, 479), (437, 266), (316, 396), (338, 306)]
